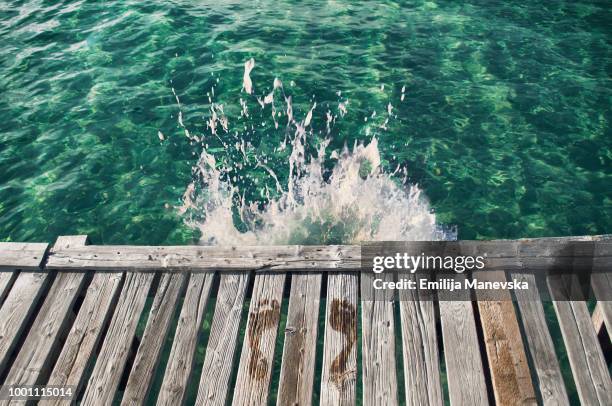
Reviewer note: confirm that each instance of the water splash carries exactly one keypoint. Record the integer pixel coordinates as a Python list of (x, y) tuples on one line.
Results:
[(247, 84), (355, 201)]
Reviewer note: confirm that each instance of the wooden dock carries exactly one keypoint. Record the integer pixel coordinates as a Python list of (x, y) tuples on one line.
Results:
[(287, 325)]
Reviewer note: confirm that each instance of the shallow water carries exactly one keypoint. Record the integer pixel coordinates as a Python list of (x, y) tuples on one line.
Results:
[(505, 122)]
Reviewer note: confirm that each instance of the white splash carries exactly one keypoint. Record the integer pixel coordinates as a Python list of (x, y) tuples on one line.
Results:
[(342, 108), (353, 202), (308, 118), (357, 202), (247, 84)]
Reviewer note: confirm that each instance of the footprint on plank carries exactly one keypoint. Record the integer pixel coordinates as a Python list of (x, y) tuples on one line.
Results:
[(265, 317), (343, 319)]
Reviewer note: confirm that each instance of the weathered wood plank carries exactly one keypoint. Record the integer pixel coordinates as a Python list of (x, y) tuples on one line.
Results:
[(219, 358), (420, 348), (149, 350), (113, 355), (589, 367), (339, 376), (256, 360), (500, 256), (203, 258), (182, 354), (464, 368), (37, 353), (553, 390), (299, 351), (78, 351), (17, 309), (502, 336), (602, 288), (540, 345), (378, 343), (27, 289), (597, 317), (23, 256), (7, 279)]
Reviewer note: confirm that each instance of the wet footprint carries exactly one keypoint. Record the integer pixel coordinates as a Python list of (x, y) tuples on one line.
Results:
[(265, 317), (343, 319)]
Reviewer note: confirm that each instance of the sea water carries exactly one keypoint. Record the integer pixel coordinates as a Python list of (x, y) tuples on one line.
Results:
[(499, 117)]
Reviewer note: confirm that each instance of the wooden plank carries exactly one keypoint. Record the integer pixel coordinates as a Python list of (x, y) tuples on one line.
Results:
[(255, 367), (548, 370), (602, 288), (598, 319), (378, 343), (23, 256), (203, 258), (37, 353), (7, 278), (299, 351), (464, 369), (27, 289), (78, 351), (588, 364), (420, 348), (110, 363), (182, 354), (500, 256), (17, 309), (149, 350), (508, 365), (219, 358), (339, 374), (539, 341)]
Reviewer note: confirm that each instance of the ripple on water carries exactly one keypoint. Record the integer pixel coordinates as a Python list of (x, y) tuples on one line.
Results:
[(504, 124)]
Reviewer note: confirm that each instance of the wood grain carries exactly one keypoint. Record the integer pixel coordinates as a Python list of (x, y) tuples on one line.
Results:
[(299, 350), (17, 310), (113, 355), (203, 258), (464, 368), (501, 255), (153, 338), (597, 317), (420, 348), (339, 376), (7, 278), (180, 363), (510, 374), (41, 346), (107, 299), (540, 345), (602, 288), (378, 343), (78, 352), (256, 359), (589, 367), (219, 359), (22, 256)]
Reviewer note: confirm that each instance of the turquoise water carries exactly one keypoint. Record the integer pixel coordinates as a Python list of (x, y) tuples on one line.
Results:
[(505, 124)]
